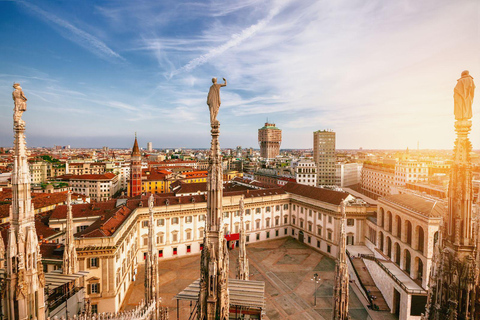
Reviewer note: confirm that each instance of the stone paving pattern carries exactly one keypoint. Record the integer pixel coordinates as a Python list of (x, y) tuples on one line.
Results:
[(287, 267)]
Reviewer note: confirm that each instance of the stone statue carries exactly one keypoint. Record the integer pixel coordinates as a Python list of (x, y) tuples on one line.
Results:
[(20, 102), (213, 100), (463, 96)]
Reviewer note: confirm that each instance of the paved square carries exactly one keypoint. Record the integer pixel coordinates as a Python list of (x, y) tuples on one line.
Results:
[(286, 266)]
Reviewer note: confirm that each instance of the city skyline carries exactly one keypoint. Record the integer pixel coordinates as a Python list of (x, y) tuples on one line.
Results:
[(379, 75)]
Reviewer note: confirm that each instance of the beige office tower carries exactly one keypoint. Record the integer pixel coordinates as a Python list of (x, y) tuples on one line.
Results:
[(324, 156), (269, 138)]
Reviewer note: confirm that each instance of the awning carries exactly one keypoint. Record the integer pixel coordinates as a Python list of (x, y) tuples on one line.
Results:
[(55, 279), (242, 293), (233, 236)]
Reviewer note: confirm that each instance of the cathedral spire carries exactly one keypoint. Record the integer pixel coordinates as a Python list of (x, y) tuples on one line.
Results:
[(70, 263), (151, 261), (454, 290), (341, 293), (242, 265), (25, 280), (213, 299)]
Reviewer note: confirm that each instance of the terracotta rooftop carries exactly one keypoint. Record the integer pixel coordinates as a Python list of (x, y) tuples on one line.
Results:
[(52, 251), (424, 206), (321, 194), (85, 210), (107, 224)]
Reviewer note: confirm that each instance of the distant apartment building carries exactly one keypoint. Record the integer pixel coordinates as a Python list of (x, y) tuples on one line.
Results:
[(269, 138), (99, 187), (306, 173), (324, 156), (78, 168), (40, 172), (149, 147), (377, 179), (410, 171), (348, 174)]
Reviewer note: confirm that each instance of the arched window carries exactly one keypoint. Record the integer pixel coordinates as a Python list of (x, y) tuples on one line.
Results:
[(381, 217), (419, 267), (389, 247), (408, 261), (380, 241), (389, 221), (421, 239), (408, 231), (398, 253), (399, 226)]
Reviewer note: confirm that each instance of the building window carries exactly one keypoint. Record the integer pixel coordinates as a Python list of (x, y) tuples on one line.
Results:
[(319, 231), (188, 235), (329, 248), (257, 210), (268, 234), (201, 217), (301, 223), (145, 224), (276, 233), (350, 222), (227, 214), (310, 227), (329, 219), (200, 231), (285, 219), (319, 216), (145, 241), (174, 251), (160, 253), (350, 239), (329, 235), (309, 239), (294, 207), (277, 207), (285, 206), (247, 238), (94, 308), (94, 263), (301, 209), (318, 244), (293, 220), (160, 222), (309, 213), (189, 249), (268, 223), (293, 232), (277, 221), (247, 212), (247, 226), (257, 224), (95, 288), (188, 219), (174, 237), (285, 231), (175, 220)]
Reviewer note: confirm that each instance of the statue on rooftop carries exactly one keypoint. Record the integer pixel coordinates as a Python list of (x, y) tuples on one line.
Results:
[(20, 103), (463, 96), (213, 100)]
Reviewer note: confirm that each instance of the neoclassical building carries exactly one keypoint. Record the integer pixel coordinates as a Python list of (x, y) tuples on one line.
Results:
[(112, 237)]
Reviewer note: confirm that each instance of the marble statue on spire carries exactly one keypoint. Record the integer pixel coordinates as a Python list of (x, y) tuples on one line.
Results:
[(70, 261), (242, 265), (213, 99), (463, 96), (20, 104)]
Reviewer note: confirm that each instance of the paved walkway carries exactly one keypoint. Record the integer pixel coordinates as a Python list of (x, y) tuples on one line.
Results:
[(367, 281), (285, 265)]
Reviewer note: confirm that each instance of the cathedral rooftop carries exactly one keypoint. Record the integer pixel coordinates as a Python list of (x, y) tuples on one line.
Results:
[(425, 206)]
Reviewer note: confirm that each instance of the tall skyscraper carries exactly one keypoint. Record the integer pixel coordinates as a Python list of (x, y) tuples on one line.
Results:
[(135, 184), (269, 138), (149, 147), (324, 156)]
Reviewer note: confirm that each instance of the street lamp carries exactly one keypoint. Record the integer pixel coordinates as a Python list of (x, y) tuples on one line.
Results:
[(315, 280)]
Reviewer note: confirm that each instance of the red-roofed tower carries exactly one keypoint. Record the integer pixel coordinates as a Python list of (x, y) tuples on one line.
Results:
[(135, 171)]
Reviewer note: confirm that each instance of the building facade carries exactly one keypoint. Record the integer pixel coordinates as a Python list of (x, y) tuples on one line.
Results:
[(348, 174), (98, 187), (324, 156), (269, 138), (377, 179), (306, 172)]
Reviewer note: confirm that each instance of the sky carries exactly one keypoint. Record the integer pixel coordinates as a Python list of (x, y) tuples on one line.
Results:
[(379, 73)]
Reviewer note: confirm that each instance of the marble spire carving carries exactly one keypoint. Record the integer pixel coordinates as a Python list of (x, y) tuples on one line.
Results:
[(213, 298), (25, 280), (242, 265), (454, 290), (70, 262), (341, 293)]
